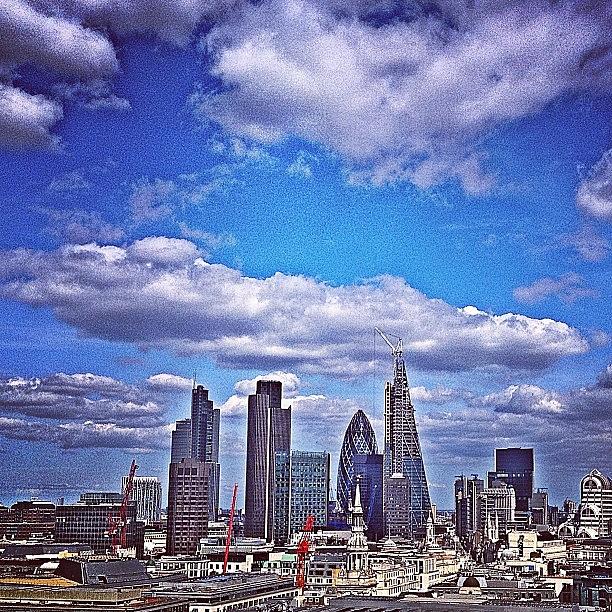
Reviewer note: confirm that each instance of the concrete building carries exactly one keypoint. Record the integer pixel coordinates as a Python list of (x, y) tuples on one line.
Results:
[(189, 499), (397, 506), (27, 519), (268, 433), (496, 508), (146, 494)]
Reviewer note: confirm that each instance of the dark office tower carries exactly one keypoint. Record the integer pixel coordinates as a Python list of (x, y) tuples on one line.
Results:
[(514, 466), (359, 439), (467, 490), (370, 469), (189, 492), (403, 455), (397, 506), (181, 441), (268, 433), (205, 440)]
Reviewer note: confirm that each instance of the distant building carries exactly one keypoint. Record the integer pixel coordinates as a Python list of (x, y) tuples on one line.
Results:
[(181, 441), (359, 439), (282, 494), (88, 521), (27, 519), (595, 509), (205, 440), (467, 490), (402, 454), (309, 489), (146, 494), (515, 467), (369, 469), (189, 495), (496, 510), (268, 433), (397, 506), (538, 504)]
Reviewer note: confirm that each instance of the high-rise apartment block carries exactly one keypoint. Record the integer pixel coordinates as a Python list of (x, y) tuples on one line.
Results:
[(515, 467), (146, 494), (189, 494), (467, 490), (268, 433), (402, 456), (309, 489)]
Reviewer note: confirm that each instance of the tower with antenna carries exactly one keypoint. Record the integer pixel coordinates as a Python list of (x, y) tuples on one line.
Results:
[(402, 453)]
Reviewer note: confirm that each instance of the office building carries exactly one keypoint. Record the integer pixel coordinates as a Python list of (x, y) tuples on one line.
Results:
[(467, 490), (369, 469), (402, 454), (88, 521), (514, 466), (268, 433), (309, 489), (205, 440), (181, 441), (282, 495), (189, 494), (397, 506), (595, 509), (146, 494), (496, 510), (538, 505), (27, 519), (359, 439)]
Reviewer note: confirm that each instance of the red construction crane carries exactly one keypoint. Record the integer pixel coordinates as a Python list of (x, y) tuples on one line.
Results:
[(230, 528), (303, 549), (117, 525)]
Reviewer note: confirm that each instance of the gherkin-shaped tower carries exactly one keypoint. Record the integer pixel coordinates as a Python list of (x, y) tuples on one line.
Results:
[(359, 439)]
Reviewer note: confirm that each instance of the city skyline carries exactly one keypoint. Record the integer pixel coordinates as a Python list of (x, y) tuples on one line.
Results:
[(246, 189)]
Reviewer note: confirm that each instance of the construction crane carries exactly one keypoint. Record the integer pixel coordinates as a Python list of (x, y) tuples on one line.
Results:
[(117, 525), (303, 549), (230, 528), (396, 349)]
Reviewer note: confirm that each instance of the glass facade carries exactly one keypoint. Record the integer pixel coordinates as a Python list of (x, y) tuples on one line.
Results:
[(359, 439)]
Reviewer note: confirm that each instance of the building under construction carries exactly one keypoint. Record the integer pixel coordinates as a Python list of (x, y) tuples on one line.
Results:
[(403, 469)]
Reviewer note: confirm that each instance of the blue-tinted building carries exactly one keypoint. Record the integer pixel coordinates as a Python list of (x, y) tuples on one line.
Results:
[(515, 467), (370, 470), (359, 439)]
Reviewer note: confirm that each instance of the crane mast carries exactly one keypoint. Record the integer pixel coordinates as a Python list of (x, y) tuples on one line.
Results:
[(117, 526), (303, 549)]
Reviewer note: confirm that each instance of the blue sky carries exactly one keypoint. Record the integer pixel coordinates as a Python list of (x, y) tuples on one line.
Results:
[(340, 166)]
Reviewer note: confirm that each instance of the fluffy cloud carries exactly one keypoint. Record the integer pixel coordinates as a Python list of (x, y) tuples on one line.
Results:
[(400, 93), (594, 195), (567, 288), (88, 410), (72, 39), (588, 244), (159, 292), (569, 430)]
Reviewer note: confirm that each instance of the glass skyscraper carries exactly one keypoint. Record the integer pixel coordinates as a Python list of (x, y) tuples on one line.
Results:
[(402, 456), (514, 466)]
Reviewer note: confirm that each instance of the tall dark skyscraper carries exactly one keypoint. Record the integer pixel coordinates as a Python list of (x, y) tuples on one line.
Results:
[(359, 439), (369, 469), (467, 490), (402, 456), (268, 433), (181, 441), (205, 440), (514, 466)]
